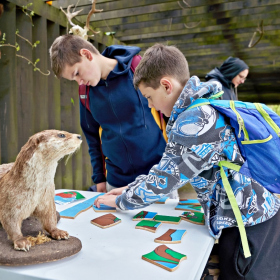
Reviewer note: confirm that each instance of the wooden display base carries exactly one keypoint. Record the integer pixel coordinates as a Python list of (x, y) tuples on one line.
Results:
[(47, 252)]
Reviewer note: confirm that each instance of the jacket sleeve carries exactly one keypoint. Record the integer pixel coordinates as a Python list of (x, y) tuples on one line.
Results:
[(177, 167), (90, 129)]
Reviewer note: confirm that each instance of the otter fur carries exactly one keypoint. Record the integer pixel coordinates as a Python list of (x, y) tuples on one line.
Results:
[(27, 186)]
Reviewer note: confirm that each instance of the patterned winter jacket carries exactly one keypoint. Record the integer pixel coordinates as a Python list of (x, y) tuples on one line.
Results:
[(199, 138)]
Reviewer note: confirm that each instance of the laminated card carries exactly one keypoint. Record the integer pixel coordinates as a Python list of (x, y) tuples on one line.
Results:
[(165, 258)]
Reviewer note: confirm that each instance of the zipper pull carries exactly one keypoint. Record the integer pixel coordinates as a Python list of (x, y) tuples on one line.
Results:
[(240, 127)]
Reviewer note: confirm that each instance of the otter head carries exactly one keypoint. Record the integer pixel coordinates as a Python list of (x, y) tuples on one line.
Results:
[(56, 143)]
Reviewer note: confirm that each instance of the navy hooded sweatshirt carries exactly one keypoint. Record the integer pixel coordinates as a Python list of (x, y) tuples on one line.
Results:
[(224, 74), (131, 140)]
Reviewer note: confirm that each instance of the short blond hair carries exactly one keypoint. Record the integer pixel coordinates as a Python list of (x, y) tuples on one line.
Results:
[(159, 61), (65, 50)]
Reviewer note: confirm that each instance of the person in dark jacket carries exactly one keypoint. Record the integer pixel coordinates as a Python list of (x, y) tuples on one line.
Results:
[(131, 140), (230, 74)]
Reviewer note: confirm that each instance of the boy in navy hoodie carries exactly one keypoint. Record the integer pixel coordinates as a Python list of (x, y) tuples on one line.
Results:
[(131, 140), (199, 139)]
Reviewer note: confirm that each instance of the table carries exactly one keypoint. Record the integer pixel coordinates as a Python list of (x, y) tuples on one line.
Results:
[(115, 252)]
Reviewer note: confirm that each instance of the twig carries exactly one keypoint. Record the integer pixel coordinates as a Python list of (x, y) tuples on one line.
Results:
[(195, 25), (180, 5), (76, 5), (261, 31), (188, 6), (35, 68), (8, 45), (25, 40), (25, 10), (107, 25), (186, 3)]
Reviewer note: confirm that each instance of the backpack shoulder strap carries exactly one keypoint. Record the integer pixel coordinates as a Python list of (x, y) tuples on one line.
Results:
[(83, 95), (226, 184), (135, 61), (199, 102)]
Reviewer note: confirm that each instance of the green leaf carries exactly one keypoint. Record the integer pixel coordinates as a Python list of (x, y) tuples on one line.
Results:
[(110, 33), (72, 101)]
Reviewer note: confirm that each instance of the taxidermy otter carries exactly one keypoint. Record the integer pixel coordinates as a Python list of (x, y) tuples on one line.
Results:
[(27, 185)]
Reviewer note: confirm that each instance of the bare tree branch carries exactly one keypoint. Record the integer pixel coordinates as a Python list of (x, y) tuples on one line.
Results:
[(261, 31), (193, 26), (185, 3)]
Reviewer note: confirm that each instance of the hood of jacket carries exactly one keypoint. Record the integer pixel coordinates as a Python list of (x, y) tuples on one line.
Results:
[(229, 69), (124, 55), (193, 90), (217, 75)]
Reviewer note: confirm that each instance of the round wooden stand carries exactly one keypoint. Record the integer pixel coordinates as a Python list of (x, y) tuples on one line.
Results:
[(46, 252)]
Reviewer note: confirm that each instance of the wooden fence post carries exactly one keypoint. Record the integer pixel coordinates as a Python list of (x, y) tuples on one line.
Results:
[(8, 113), (24, 80), (54, 120), (40, 82)]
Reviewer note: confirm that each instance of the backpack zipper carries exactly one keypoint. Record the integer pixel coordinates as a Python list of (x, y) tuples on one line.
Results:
[(241, 123), (267, 118)]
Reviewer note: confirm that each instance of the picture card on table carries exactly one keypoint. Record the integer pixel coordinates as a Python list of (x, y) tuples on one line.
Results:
[(67, 197), (165, 257)]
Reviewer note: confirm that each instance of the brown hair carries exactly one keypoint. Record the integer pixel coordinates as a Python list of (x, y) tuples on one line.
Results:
[(65, 50), (159, 61)]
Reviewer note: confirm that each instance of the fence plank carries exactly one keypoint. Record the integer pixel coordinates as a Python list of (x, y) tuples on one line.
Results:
[(8, 117), (54, 96), (40, 86), (87, 169), (77, 163), (24, 81), (66, 124)]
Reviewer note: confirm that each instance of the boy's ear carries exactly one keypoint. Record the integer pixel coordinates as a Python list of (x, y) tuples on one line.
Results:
[(86, 53), (167, 84)]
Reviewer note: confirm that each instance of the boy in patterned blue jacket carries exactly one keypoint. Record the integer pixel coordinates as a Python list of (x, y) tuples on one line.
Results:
[(199, 138), (129, 132)]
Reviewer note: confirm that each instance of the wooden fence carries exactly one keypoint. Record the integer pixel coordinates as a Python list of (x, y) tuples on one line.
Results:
[(30, 101), (206, 31)]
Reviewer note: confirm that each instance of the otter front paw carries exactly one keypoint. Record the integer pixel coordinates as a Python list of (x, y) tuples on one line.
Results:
[(22, 244), (59, 234)]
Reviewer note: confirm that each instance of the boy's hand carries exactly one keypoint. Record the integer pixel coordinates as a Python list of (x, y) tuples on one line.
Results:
[(101, 187), (117, 191), (109, 200)]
